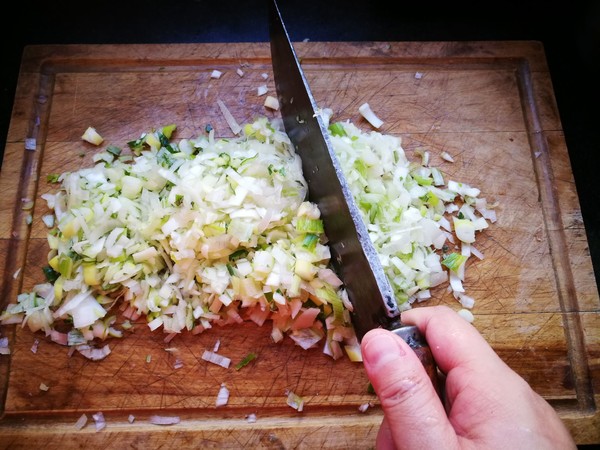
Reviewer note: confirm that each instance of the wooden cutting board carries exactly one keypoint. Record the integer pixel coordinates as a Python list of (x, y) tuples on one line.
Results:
[(489, 104)]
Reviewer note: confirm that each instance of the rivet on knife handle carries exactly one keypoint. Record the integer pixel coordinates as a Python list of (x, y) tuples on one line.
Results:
[(413, 337)]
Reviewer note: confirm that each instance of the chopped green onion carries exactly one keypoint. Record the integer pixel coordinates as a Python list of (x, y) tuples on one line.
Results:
[(244, 362), (168, 130), (310, 241), (337, 129), (453, 261), (423, 181), (306, 225), (241, 253), (65, 265), (113, 150), (50, 273)]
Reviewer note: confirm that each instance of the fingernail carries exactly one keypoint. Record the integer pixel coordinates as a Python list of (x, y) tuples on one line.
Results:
[(382, 348)]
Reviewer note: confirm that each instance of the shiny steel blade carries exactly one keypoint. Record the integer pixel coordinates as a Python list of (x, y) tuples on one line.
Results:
[(353, 255)]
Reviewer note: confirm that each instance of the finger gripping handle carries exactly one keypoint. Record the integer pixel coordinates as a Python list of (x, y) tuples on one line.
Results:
[(413, 337)]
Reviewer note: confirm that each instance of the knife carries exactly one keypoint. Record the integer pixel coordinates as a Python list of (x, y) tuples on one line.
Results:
[(354, 257)]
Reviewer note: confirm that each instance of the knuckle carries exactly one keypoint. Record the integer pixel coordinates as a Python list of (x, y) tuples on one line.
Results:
[(402, 391)]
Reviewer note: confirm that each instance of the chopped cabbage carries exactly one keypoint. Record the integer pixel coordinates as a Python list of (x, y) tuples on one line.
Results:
[(210, 231), (404, 206), (189, 235)]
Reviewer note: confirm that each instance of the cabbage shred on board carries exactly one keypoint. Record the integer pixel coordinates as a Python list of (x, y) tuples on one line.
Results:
[(211, 232)]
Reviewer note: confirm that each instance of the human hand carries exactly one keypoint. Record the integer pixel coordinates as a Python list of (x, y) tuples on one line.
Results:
[(486, 404)]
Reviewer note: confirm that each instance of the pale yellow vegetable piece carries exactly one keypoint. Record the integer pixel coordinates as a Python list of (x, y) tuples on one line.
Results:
[(92, 136), (271, 102)]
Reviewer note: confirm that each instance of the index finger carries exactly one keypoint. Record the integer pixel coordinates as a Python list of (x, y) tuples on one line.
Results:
[(407, 396)]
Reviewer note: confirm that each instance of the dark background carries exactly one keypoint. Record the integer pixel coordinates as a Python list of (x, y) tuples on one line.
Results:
[(570, 33)]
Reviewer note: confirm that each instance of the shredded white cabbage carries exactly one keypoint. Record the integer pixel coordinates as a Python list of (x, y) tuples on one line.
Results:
[(222, 396), (81, 422), (189, 235), (164, 420), (211, 231), (405, 205), (99, 421)]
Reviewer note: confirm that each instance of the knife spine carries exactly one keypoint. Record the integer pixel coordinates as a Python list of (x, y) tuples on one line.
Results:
[(298, 131)]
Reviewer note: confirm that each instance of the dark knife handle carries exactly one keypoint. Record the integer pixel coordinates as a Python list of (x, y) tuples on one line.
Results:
[(413, 337)]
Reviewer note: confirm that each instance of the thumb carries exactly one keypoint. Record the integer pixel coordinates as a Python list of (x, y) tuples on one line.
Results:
[(409, 401)]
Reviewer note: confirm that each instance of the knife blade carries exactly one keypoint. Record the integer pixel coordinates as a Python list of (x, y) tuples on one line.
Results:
[(354, 257)]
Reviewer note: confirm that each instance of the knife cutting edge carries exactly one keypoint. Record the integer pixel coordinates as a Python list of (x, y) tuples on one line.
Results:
[(353, 255)]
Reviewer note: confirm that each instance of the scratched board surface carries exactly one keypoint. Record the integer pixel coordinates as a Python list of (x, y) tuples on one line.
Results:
[(488, 104)]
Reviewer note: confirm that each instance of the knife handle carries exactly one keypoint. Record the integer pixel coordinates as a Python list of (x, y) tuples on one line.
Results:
[(413, 337)]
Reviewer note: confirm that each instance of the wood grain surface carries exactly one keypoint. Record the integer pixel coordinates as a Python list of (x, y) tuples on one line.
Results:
[(489, 104)]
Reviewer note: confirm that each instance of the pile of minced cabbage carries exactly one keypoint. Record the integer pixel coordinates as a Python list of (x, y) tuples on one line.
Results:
[(423, 228), (210, 232)]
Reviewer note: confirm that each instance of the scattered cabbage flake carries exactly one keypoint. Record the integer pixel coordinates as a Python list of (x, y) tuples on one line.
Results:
[(92, 136)]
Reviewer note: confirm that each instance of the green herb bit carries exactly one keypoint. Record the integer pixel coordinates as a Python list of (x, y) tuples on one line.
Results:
[(230, 269), (65, 265), (51, 274), (223, 160), (453, 261), (370, 389), (337, 129), (167, 130), (422, 181), (52, 177), (137, 146), (310, 241), (173, 148), (114, 150), (241, 253), (244, 362), (306, 225), (164, 158), (164, 141), (272, 170)]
